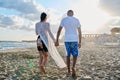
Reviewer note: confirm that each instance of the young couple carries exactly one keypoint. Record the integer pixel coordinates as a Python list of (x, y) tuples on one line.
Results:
[(72, 39)]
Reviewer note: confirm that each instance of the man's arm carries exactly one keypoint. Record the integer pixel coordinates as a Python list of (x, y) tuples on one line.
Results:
[(80, 36), (58, 34)]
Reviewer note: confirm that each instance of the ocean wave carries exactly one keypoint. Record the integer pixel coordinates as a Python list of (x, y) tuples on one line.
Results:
[(15, 44)]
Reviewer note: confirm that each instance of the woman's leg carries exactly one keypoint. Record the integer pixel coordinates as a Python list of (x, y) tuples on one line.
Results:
[(41, 60), (41, 57), (45, 58)]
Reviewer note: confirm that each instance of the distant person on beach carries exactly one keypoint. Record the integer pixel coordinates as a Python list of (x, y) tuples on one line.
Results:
[(41, 29), (72, 39)]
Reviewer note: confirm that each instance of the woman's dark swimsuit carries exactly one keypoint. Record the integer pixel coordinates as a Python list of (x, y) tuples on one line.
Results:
[(43, 48)]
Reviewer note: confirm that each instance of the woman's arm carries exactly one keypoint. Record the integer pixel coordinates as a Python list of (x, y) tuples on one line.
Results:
[(36, 30), (50, 33)]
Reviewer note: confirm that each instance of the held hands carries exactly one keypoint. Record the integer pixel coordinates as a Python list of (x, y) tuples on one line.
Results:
[(56, 43)]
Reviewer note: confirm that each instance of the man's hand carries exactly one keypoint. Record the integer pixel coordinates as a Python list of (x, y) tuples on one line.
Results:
[(56, 44), (79, 45)]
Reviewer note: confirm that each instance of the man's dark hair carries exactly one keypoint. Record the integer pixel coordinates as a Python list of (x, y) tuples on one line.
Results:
[(70, 13), (43, 16)]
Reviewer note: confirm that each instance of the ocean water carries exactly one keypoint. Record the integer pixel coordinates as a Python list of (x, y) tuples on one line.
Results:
[(15, 44)]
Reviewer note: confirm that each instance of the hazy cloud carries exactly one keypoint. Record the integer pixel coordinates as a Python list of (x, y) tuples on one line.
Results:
[(111, 6), (114, 23)]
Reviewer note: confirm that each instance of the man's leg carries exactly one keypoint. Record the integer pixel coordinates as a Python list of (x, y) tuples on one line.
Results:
[(74, 49), (74, 61), (67, 47), (73, 67), (68, 63)]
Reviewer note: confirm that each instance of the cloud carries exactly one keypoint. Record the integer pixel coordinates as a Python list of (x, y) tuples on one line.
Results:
[(29, 14), (114, 23), (110, 6), (85, 10), (4, 20), (23, 6), (14, 22), (28, 8)]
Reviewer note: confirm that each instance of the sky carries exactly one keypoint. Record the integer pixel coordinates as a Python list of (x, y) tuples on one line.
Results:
[(18, 17)]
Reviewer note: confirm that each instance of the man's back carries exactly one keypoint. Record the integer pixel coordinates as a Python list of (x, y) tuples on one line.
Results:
[(70, 24)]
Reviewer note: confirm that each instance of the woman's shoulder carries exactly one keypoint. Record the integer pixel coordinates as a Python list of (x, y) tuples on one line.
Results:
[(47, 23), (37, 23)]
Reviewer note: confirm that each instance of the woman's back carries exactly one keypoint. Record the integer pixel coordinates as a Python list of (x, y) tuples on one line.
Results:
[(42, 27)]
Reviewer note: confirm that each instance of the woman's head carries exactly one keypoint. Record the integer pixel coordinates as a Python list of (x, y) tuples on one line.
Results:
[(43, 17)]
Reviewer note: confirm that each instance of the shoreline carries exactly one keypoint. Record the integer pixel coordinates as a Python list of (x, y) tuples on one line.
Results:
[(16, 49)]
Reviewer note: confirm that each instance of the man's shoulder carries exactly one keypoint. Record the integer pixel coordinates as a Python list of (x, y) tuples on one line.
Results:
[(75, 18), (64, 18), (70, 18)]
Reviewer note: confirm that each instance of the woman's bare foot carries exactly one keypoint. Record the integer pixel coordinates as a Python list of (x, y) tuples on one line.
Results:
[(42, 69)]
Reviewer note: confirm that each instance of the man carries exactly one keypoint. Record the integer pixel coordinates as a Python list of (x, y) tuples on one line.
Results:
[(71, 25)]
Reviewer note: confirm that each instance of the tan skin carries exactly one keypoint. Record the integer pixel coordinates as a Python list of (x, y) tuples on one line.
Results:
[(43, 56), (68, 57)]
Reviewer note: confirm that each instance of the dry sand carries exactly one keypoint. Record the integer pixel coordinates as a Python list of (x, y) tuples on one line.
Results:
[(95, 62)]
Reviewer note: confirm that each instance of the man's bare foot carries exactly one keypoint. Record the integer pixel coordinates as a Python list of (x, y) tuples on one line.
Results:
[(68, 74), (73, 73)]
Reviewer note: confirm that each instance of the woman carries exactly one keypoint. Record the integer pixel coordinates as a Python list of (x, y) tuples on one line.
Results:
[(42, 28)]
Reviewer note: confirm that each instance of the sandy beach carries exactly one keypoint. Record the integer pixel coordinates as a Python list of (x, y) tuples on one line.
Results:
[(95, 62)]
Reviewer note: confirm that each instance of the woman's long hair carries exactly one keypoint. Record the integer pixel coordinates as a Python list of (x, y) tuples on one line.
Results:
[(43, 16)]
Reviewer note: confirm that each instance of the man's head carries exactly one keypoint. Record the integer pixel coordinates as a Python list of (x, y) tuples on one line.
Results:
[(70, 13)]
